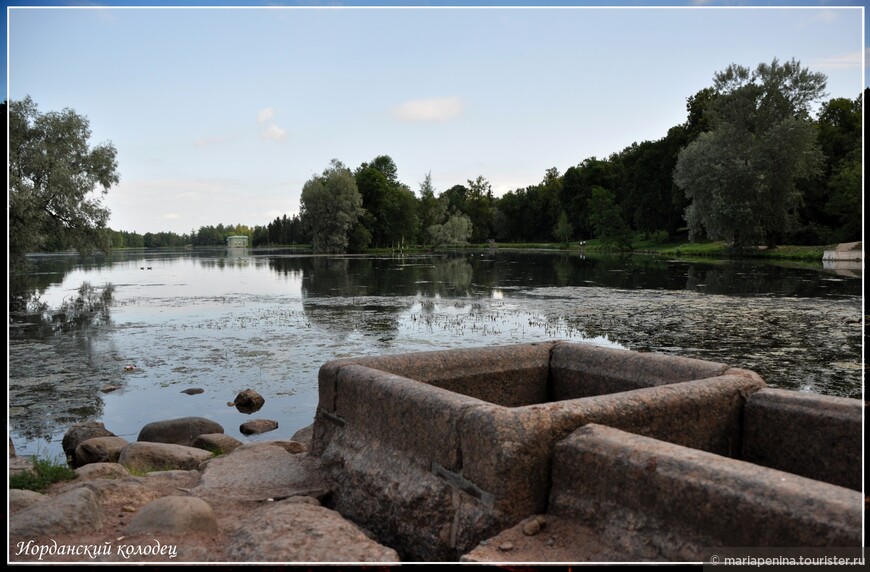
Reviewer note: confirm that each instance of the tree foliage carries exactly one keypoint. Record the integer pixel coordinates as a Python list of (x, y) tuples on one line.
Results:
[(563, 229), (742, 176), (606, 218), (455, 231), (331, 205), (56, 182)]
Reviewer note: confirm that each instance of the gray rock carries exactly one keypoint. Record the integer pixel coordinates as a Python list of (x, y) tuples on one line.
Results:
[(82, 432), (300, 532), (260, 473), (249, 401), (304, 436), (20, 499), (20, 465), (182, 431), (129, 491), (99, 450), (102, 471), (146, 456), (174, 515), (289, 446), (533, 525), (217, 443), (257, 426), (73, 512), (171, 482)]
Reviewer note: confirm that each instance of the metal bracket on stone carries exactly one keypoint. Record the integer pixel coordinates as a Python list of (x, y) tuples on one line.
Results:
[(332, 417), (463, 484)]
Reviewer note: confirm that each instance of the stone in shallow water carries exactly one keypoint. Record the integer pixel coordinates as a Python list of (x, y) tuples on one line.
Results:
[(181, 431), (256, 426), (82, 432), (99, 450), (249, 401)]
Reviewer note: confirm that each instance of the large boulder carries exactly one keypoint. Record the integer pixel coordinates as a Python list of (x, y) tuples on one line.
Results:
[(99, 450), (145, 457), (174, 515), (290, 531), (128, 492), (182, 431), (80, 432), (261, 472), (19, 499), (304, 436), (102, 471), (74, 512), (218, 443)]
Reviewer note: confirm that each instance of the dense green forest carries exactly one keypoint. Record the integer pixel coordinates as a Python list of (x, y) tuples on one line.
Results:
[(761, 159)]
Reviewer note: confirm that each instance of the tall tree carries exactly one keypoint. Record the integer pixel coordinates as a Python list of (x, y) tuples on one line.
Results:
[(56, 182), (428, 211), (478, 207), (331, 205), (742, 175), (606, 218)]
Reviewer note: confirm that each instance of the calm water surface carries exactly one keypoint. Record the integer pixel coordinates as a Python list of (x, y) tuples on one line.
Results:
[(267, 319)]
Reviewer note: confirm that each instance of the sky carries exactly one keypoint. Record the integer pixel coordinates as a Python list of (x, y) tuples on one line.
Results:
[(220, 115)]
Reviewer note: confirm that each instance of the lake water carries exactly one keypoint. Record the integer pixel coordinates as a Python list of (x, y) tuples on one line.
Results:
[(268, 319)]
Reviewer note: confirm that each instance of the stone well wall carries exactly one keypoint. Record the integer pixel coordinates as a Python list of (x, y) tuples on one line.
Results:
[(436, 451)]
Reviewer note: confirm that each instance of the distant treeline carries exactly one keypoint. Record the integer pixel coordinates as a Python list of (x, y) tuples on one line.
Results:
[(630, 193)]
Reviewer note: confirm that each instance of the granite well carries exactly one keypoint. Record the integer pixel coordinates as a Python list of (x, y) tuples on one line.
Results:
[(436, 451)]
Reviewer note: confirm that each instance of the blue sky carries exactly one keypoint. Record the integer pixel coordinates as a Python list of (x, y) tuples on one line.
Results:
[(221, 115)]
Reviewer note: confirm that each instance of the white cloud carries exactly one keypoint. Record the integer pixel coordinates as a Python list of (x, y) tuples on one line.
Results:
[(433, 109), (265, 115), (814, 17), (273, 133), (208, 141), (171, 216), (844, 61)]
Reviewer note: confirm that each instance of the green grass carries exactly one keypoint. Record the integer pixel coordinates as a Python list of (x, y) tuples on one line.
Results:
[(656, 244), (45, 472)]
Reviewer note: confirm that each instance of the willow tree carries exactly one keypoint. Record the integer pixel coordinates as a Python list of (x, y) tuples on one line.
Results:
[(56, 182), (741, 176)]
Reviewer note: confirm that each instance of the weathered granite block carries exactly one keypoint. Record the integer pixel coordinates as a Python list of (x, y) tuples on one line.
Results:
[(816, 436), (664, 501), (704, 414), (418, 420), (583, 370), (510, 376), (472, 432), (404, 505)]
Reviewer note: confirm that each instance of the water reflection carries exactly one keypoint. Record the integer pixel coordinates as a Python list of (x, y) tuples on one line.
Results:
[(267, 319)]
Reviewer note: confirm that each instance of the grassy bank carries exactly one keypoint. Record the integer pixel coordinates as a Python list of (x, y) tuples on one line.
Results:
[(681, 248)]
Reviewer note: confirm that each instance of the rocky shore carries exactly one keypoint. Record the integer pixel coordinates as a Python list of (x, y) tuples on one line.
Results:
[(190, 493)]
